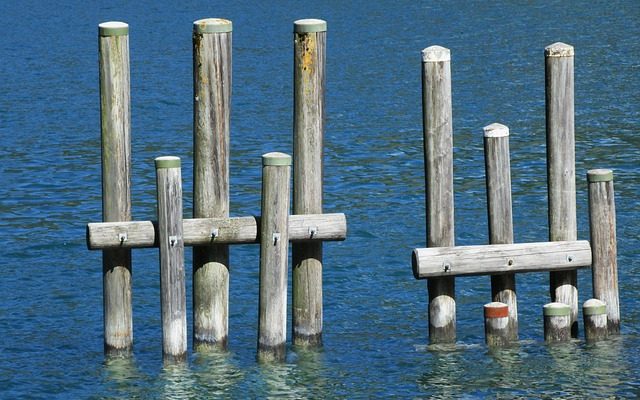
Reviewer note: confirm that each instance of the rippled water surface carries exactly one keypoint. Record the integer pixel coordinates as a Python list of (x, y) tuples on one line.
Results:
[(375, 312)]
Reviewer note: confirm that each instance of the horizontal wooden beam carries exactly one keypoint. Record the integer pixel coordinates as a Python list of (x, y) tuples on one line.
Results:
[(500, 258), (206, 231)]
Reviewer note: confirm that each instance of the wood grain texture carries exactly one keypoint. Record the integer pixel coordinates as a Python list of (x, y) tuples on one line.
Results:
[(602, 224), (557, 322), (198, 231), (500, 215), (211, 114), (438, 161), (172, 274), (500, 258), (115, 121), (274, 253), (561, 177), (308, 134)]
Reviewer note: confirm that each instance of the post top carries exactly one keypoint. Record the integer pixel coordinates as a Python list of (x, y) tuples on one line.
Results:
[(309, 25), (436, 54), (212, 25), (495, 130), (559, 49), (167, 162), (113, 28), (276, 159), (599, 175), (556, 310), (594, 307)]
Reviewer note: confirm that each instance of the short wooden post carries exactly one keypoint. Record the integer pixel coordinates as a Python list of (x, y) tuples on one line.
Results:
[(561, 167), (115, 121), (170, 241), (496, 324), (308, 132), (604, 249), (274, 241), (438, 156), (557, 322), (211, 111), (498, 176), (594, 312)]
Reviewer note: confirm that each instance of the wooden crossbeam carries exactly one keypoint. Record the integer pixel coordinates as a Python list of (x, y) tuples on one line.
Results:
[(500, 258), (206, 231)]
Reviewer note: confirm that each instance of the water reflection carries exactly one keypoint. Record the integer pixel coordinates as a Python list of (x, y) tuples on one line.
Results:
[(216, 373), (123, 375), (177, 382)]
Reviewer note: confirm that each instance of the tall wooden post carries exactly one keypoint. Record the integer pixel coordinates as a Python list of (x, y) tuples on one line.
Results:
[(115, 121), (498, 176), (211, 110), (308, 132), (438, 156), (561, 173), (171, 243), (604, 249), (274, 244)]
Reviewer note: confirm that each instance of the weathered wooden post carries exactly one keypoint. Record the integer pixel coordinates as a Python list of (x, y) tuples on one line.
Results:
[(438, 160), (594, 312), (274, 242), (496, 324), (557, 322), (602, 223), (498, 176), (115, 121), (308, 131), (211, 111), (561, 173), (171, 244)]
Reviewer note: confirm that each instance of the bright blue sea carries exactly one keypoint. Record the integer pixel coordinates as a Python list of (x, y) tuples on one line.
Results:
[(51, 343)]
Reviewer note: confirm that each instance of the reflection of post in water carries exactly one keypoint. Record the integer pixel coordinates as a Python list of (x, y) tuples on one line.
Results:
[(177, 382), (123, 374), (216, 374), (438, 379)]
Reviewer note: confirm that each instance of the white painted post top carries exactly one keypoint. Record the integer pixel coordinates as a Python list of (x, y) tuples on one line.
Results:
[(113, 28), (276, 158), (436, 54), (212, 25), (559, 49), (309, 25), (495, 130)]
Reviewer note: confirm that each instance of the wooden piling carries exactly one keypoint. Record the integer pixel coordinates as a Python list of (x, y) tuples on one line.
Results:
[(172, 276), (438, 156), (559, 95), (500, 214), (211, 112), (557, 322), (594, 312), (602, 223), (496, 324), (274, 241), (308, 132), (115, 121)]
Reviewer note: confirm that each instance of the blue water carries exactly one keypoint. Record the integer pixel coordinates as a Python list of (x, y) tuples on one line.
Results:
[(375, 312)]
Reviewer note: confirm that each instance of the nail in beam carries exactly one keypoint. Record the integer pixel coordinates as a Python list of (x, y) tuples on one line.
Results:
[(274, 243), (211, 110), (115, 121), (602, 223), (438, 152), (498, 176), (561, 167), (308, 132), (172, 281)]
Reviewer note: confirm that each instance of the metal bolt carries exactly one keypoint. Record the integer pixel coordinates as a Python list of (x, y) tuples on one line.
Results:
[(214, 233), (276, 237), (312, 231), (570, 258), (510, 262), (173, 240), (447, 267), (122, 237)]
